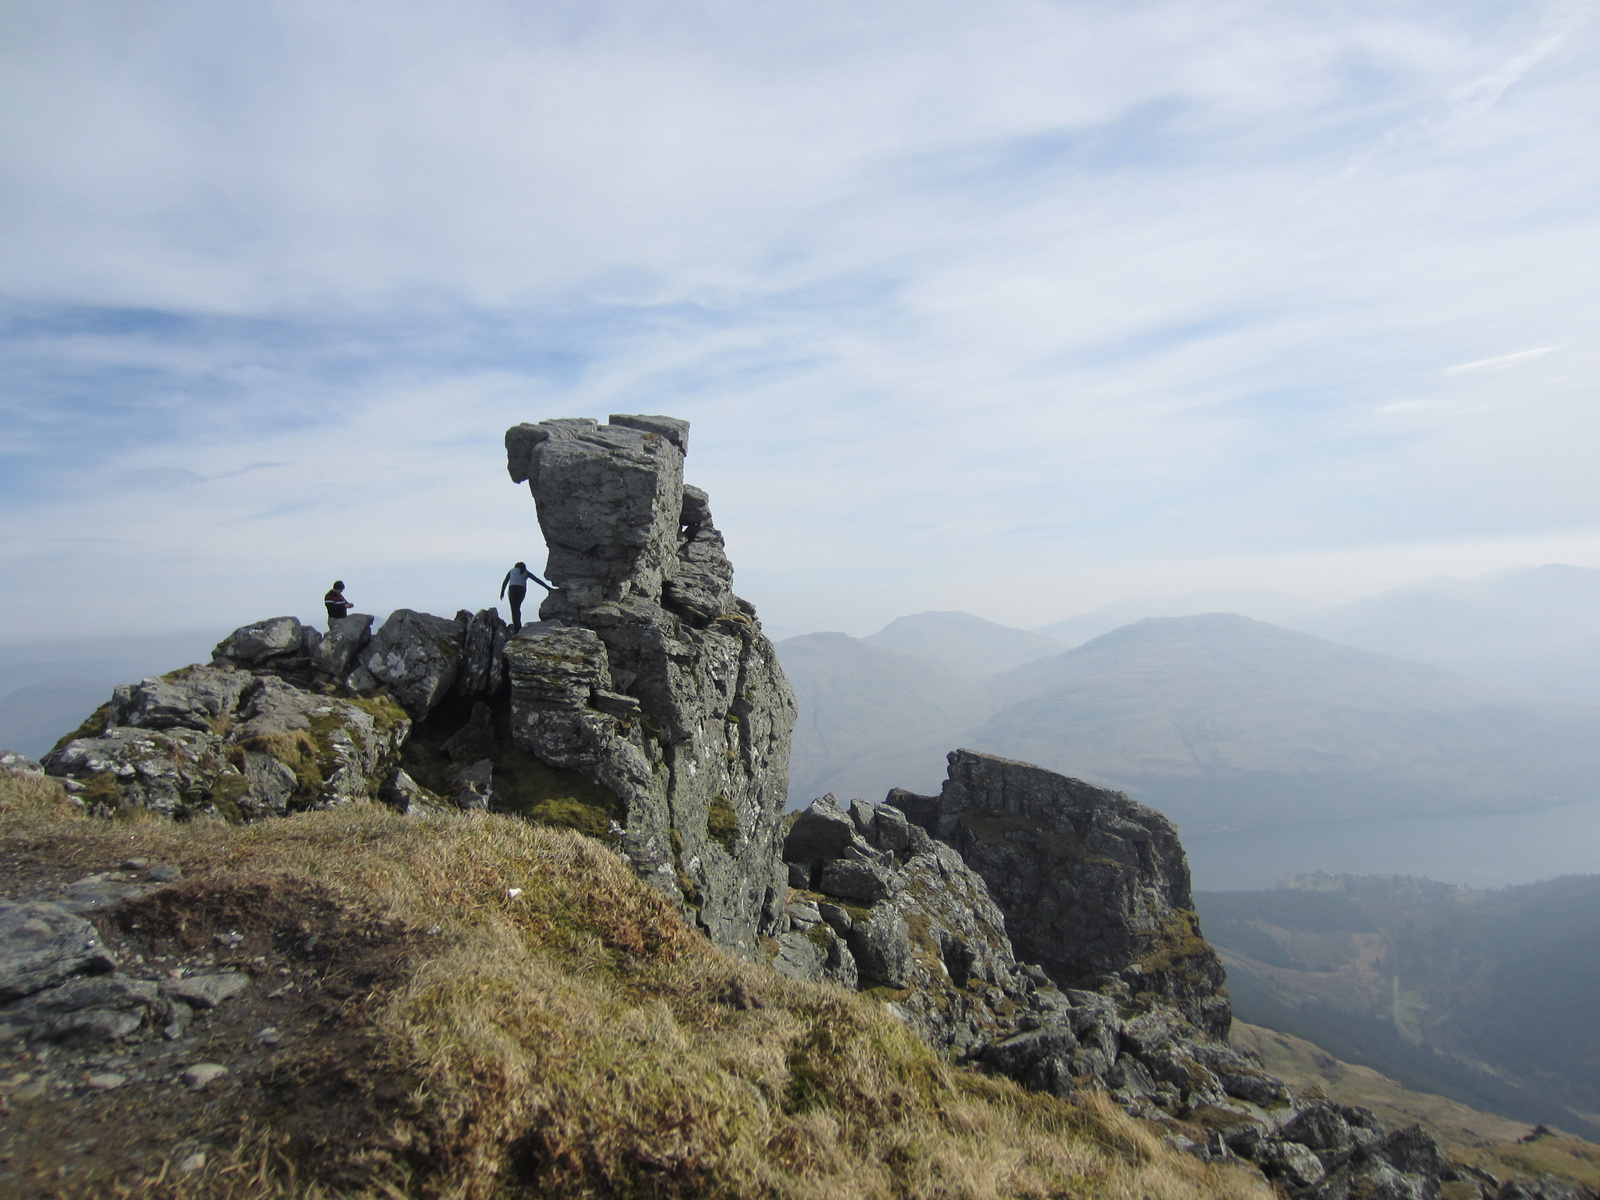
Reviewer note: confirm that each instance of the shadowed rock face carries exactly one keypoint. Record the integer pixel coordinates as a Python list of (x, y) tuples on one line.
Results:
[(1092, 884), (647, 674)]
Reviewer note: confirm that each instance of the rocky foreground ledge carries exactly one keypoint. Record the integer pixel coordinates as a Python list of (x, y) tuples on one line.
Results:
[(1025, 923)]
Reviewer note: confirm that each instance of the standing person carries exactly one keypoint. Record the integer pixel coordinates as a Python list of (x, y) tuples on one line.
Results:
[(338, 606), (516, 581)]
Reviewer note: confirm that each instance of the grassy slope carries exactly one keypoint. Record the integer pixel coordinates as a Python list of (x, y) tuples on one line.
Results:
[(577, 1039), (1466, 1134)]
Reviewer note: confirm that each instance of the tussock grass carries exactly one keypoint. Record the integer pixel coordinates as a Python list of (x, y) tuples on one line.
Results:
[(579, 1040)]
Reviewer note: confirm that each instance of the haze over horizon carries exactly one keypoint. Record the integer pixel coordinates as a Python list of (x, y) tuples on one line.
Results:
[(1016, 310)]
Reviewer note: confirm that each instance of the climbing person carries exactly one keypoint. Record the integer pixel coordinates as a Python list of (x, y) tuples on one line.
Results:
[(338, 606), (516, 581)]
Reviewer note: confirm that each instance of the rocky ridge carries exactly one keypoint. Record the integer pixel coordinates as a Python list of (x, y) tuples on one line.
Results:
[(1026, 923), (646, 707)]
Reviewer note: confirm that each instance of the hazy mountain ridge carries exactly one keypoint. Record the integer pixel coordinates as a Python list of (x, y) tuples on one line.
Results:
[(1536, 628), (1217, 719)]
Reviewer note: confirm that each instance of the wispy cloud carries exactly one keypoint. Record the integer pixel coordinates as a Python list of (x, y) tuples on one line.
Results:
[(1501, 360), (984, 286)]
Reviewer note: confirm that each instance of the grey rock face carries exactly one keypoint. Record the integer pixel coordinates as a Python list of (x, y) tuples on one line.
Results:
[(236, 743), (483, 655), (171, 772), (196, 698), (914, 918), (254, 645), (1092, 884), (42, 945), (670, 698), (86, 1008), (417, 656), (346, 637)]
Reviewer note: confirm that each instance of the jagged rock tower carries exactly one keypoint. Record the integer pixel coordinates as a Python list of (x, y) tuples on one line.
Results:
[(647, 675)]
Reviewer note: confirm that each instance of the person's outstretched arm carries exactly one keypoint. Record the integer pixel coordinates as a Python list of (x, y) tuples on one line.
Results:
[(503, 583)]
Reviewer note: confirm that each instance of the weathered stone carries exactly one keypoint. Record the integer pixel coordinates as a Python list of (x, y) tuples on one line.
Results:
[(88, 1008), (42, 945), (1319, 1127), (1546, 1187), (417, 656), (819, 834), (201, 1075), (347, 636), (207, 991), (1092, 884), (256, 644), (1290, 1163), (1403, 1165), (474, 785), (681, 713), (173, 772), (404, 794), (674, 429), (882, 948), (271, 784), (201, 698), (483, 655), (857, 880), (343, 751), (18, 764), (101, 890)]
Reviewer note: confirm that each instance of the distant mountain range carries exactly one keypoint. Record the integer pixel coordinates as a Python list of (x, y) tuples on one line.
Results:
[(1217, 719), (1537, 629)]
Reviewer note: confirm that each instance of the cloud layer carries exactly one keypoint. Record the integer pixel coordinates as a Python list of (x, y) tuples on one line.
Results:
[(1011, 307)]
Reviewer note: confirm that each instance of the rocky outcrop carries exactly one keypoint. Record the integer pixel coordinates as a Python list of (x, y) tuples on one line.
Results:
[(230, 742), (646, 675), (1094, 887), (877, 903)]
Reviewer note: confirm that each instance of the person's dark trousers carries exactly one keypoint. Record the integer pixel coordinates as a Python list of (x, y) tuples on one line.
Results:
[(515, 593)]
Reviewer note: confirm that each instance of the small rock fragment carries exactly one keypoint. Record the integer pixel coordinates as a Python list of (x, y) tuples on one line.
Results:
[(134, 864), (195, 1162), (269, 1036), (201, 1074), (106, 1081), (165, 875)]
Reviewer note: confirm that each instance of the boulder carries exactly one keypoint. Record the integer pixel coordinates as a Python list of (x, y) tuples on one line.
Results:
[(173, 772), (346, 637), (202, 698), (84, 1009), (483, 656), (417, 656), (42, 945), (257, 644)]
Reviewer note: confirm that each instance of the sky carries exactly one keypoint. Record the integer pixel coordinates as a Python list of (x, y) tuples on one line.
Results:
[(1015, 307)]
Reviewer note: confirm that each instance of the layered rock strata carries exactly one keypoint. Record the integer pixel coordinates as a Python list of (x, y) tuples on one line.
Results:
[(647, 675)]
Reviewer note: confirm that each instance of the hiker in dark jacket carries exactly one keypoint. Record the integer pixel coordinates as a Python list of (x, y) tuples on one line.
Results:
[(338, 606), (516, 582)]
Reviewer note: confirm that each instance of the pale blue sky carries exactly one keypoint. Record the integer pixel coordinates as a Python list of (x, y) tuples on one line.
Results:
[(1014, 307)]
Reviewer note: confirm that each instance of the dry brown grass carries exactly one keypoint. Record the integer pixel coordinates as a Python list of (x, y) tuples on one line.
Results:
[(579, 1040)]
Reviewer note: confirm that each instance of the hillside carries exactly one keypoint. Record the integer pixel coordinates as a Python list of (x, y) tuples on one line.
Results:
[(1259, 604), (1484, 996), (1491, 1143), (476, 1006), (1536, 628), (962, 643)]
